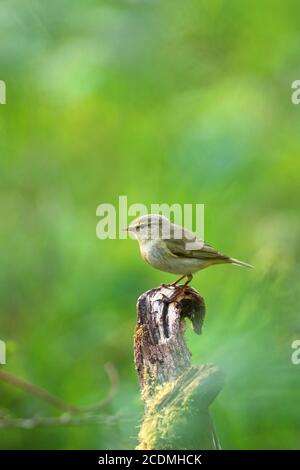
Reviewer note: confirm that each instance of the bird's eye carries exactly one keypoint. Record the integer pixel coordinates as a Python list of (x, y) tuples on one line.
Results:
[(137, 228)]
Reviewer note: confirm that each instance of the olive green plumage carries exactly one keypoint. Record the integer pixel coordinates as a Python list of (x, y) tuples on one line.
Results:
[(174, 249)]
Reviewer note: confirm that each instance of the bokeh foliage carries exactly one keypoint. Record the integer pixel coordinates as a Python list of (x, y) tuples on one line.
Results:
[(162, 101)]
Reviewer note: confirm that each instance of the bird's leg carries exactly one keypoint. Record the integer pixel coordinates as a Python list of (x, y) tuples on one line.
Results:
[(189, 279), (183, 286), (179, 289), (174, 284)]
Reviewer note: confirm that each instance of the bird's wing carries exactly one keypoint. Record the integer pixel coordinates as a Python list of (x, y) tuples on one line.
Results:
[(194, 248)]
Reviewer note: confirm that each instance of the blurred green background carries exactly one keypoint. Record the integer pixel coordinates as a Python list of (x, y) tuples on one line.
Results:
[(162, 101)]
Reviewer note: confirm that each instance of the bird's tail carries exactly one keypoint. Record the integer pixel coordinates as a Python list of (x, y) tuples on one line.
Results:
[(240, 263)]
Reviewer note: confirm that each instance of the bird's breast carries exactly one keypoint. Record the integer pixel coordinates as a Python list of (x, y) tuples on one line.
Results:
[(146, 252), (155, 253)]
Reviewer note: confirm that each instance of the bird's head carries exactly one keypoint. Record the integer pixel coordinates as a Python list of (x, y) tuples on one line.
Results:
[(150, 227)]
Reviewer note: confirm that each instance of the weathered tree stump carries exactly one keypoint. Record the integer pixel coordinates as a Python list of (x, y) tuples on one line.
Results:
[(176, 395)]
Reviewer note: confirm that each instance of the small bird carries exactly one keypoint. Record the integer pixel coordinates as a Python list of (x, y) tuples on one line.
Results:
[(174, 249)]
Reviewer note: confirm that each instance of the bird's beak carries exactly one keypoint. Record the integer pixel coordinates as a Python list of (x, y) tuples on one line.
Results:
[(128, 229)]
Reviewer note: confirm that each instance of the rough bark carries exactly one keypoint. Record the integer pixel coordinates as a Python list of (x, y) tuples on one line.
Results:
[(176, 395)]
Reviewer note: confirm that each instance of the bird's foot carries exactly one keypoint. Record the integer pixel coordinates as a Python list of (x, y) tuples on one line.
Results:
[(177, 292), (167, 285), (178, 289)]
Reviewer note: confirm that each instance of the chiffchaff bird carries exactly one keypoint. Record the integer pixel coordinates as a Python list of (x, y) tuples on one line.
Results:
[(174, 249)]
